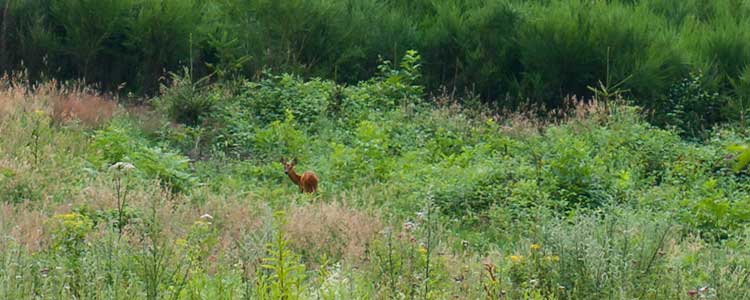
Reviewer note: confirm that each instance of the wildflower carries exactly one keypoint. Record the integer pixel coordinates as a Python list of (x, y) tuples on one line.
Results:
[(552, 258), (465, 243), (122, 166), (410, 226), (692, 293), (207, 216), (422, 250), (516, 258), (536, 247), (39, 112)]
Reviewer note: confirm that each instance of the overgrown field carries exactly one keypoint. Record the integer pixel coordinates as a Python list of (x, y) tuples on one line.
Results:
[(509, 52), (421, 198)]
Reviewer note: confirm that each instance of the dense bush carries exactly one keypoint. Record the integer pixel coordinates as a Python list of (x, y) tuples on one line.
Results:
[(509, 52)]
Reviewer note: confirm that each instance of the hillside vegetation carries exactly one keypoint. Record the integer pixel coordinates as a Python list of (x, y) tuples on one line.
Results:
[(509, 52), (420, 197)]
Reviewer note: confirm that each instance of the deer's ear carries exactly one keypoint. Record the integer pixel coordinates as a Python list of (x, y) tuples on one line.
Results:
[(294, 161)]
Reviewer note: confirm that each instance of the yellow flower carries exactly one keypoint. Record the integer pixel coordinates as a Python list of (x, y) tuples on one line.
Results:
[(39, 112), (554, 258), (516, 258), (422, 250), (536, 247)]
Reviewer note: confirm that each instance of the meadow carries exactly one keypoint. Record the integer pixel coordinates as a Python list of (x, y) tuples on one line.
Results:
[(420, 197)]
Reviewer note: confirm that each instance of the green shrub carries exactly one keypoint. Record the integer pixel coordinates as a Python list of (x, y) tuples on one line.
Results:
[(574, 174), (113, 144), (170, 168), (269, 99), (279, 139), (118, 143), (691, 107), (470, 199), (186, 101), (392, 88)]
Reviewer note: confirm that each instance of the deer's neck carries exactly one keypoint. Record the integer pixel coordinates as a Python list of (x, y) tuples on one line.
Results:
[(294, 177)]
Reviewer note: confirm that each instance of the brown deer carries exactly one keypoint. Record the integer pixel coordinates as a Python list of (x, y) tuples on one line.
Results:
[(307, 182)]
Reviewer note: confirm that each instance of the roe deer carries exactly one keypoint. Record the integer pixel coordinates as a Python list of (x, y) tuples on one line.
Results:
[(307, 182)]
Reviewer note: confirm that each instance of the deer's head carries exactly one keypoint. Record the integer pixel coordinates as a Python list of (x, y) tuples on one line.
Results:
[(288, 165)]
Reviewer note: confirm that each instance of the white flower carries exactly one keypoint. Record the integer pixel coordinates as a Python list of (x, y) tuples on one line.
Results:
[(207, 217), (409, 226), (122, 166)]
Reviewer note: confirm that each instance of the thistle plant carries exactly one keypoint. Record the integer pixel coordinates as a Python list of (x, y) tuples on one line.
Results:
[(121, 182)]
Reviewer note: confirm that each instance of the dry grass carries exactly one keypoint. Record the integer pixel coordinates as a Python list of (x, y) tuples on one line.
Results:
[(530, 121), (22, 226), (62, 102), (91, 110), (332, 229)]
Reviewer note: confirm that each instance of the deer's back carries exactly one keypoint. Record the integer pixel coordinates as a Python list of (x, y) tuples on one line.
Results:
[(309, 182)]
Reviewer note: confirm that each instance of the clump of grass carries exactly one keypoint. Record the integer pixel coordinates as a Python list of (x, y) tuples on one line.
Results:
[(332, 230), (90, 109)]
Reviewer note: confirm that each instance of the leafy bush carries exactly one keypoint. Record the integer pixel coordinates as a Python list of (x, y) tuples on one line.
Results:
[(269, 99), (392, 88), (118, 143), (185, 101), (692, 107), (172, 169), (279, 139)]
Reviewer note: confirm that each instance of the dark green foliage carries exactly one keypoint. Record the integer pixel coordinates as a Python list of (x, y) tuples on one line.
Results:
[(186, 101), (508, 52), (691, 107), (472, 47), (576, 45)]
